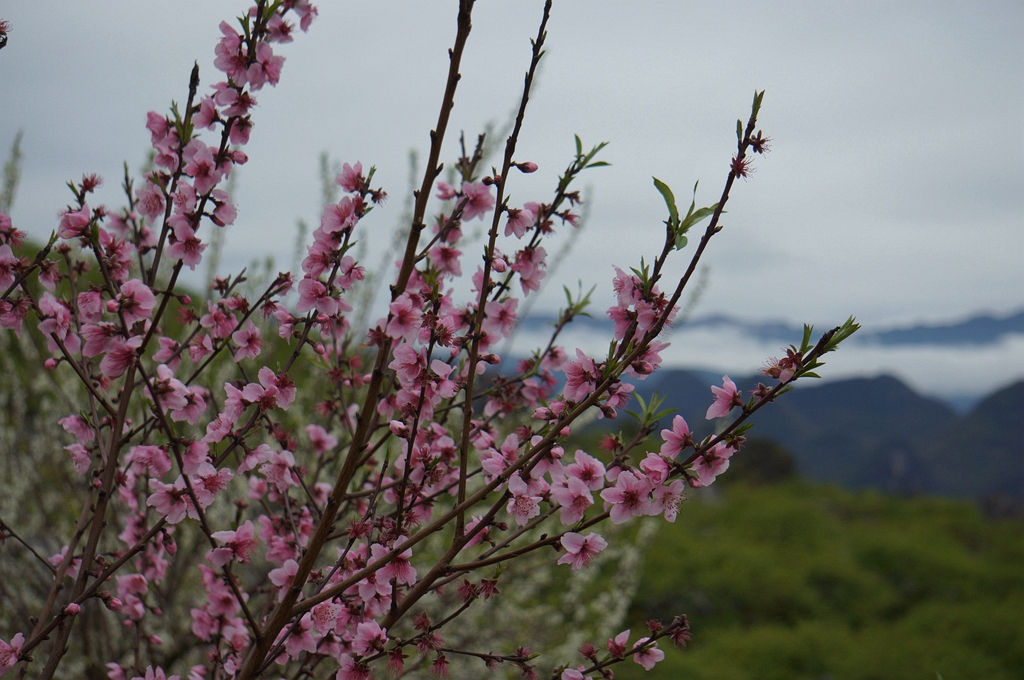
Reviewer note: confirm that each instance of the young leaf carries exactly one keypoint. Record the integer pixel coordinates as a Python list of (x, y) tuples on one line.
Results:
[(670, 201)]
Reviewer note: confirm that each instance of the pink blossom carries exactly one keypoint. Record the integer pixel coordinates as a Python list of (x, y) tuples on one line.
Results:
[(80, 457), (278, 471), (405, 320), (445, 191), (312, 294), (349, 272), (628, 498), (78, 427), (8, 266), (617, 646), (667, 499), (339, 217), (352, 669), (282, 383), (478, 198), (351, 177), (196, 453), (225, 212), (157, 674), (519, 220), (208, 481), (325, 616), (58, 324), (501, 317), (149, 458), (266, 69), (202, 167), (656, 468), (446, 260), (171, 500), (712, 463), (444, 387), (9, 652), (282, 576), (230, 59), (530, 265), (151, 202), (581, 551), (167, 391), (90, 305), (185, 245), (370, 638), (194, 407), (408, 364), (647, 657), (184, 198), (726, 397), (628, 288), (588, 470), (238, 545), (675, 439), (248, 340), (74, 223), (321, 441), (399, 568), (521, 506), (581, 376), (574, 674), (574, 497)]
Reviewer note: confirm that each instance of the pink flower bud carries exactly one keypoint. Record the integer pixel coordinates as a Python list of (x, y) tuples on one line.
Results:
[(527, 167), (155, 640), (73, 609), (112, 306), (185, 300), (50, 364), (499, 265), (113, 604)]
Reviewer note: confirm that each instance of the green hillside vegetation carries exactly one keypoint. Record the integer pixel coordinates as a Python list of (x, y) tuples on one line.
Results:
[(802, 581)]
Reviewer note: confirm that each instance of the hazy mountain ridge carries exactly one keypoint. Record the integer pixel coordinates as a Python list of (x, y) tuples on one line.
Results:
[(978, 330), (878, 433)]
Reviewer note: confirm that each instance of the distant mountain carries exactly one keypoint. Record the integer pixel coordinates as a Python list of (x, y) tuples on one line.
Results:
[(978, 330), (983, 452), (983, 329), (877, 433)]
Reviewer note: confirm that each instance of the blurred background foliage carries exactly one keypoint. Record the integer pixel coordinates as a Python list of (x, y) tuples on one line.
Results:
[(796, 580)]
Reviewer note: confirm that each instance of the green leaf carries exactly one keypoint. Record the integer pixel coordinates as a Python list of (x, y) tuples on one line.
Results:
[(670, 201), (756, 106), (739, 130), (681, 242), (579, 146), (742, 428), (697, 216)]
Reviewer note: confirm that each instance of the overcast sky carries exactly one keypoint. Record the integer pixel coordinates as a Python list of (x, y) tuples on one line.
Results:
[(893, 190)]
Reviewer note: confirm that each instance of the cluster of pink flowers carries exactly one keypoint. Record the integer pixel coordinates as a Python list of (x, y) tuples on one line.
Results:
[(415, 444)]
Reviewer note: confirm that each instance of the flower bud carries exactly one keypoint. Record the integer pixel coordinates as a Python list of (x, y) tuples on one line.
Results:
[(399, 429), (73, 609), (499, 265), (526, 167)]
